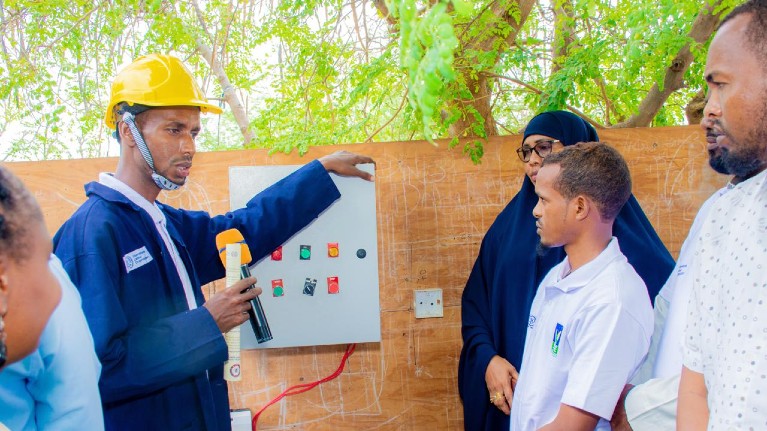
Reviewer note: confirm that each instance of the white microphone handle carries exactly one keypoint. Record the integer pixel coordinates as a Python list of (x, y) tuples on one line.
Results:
[(232, 367)]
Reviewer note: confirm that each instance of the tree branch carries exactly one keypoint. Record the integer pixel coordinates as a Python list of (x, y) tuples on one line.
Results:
[(230, 95), (608, 103), (536, 90), (564, 33), (357, 30), (702, 28), (401, 105), (476, 17), (485, 43), (384, 11), (72, 27), (201, 20)]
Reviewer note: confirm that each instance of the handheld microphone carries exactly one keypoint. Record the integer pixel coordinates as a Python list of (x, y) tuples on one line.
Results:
[(256, 313)]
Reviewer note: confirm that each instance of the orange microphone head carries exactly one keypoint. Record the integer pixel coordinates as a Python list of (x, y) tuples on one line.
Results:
[(232, 236)]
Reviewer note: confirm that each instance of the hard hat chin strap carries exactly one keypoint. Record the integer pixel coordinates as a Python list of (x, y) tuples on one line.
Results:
[(162, 182)]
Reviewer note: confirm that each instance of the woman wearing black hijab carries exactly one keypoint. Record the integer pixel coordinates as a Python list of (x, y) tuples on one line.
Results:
[(501, 287)]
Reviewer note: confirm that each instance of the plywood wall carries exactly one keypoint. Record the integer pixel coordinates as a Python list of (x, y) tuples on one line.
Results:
[(434, 207)]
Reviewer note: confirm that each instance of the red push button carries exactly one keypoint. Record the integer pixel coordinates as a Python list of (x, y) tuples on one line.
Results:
[(277, 254), (333, 285)]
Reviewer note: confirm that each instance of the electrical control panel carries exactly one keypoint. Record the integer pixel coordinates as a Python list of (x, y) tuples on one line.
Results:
[(323, 280)]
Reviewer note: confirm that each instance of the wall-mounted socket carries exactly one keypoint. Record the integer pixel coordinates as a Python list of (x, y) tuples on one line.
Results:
[(428, 303)]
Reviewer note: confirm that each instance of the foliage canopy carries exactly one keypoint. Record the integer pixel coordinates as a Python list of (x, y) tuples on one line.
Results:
[(298, 73)]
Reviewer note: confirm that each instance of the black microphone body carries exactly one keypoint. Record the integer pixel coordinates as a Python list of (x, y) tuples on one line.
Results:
[(256, 312)]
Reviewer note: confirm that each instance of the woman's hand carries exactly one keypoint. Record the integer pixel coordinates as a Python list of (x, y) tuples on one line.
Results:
[(501, 379)]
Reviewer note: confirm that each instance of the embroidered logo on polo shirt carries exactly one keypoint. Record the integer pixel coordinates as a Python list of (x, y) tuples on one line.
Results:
[(136, 259), (531, 322), (557, 337)]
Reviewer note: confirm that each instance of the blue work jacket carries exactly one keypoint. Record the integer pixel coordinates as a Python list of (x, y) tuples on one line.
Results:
[(163, 363)]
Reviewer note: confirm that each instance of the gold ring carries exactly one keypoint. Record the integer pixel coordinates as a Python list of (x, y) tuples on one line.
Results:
[(496, 397)]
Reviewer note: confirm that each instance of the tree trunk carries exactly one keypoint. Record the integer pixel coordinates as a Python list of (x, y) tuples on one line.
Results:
[(702, 28), (694, 109), (480, 101), (480, 86)]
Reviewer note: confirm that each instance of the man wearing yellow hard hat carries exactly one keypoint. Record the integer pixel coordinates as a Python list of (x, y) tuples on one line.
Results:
[(139, 264)]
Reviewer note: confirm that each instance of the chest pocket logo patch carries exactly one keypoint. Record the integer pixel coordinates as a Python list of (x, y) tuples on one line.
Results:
[(136, 259), (557, 338)]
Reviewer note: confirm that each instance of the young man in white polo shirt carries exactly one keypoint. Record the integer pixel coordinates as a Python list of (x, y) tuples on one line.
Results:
[(591, 319)]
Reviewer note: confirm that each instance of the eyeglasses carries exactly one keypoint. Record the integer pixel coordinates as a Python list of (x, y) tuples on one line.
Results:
[(542, 148)]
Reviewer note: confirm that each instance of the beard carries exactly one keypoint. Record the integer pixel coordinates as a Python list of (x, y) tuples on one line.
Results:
[(716, 160), (745, 157), (745, 160)]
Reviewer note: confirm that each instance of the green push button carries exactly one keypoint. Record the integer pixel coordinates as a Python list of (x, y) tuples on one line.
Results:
[(306, 252)]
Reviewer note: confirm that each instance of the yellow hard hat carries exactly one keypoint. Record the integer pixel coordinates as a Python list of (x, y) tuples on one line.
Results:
[(156, 80)]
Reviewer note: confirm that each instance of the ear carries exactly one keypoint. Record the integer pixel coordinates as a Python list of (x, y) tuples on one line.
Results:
[(3, 275), (582, 206), (126, 137)]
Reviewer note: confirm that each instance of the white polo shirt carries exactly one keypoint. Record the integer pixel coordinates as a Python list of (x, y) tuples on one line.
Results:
[(587, 334)]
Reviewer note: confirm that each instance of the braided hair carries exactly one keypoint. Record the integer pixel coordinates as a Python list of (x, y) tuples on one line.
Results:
[(17, 209)]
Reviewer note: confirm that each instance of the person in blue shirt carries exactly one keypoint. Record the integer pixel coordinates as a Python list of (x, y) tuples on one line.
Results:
[(139, 264), (28, 290), (499, 292), (56, 387)]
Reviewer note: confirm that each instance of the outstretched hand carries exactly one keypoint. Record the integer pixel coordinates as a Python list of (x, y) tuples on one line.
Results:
[(501, 379), (345, 164)]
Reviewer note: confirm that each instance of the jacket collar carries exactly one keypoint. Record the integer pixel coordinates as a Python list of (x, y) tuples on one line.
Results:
[(108, 194), (111, 195)]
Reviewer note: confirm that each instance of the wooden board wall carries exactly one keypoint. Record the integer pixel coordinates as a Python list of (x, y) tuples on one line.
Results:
[(434, 207)]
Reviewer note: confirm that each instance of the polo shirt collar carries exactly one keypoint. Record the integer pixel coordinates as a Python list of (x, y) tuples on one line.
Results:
[(583, 275)]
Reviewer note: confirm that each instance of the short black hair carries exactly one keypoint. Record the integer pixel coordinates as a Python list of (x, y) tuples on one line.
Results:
[(17, 209), (756, 30), (595, 170)]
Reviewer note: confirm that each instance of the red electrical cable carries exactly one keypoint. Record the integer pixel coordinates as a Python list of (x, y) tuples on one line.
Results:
[(303, 387)]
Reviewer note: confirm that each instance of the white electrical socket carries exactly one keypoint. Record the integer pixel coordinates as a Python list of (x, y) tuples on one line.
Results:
[(428, 303)]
